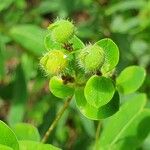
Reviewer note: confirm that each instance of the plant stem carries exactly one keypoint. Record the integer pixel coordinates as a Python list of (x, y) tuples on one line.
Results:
[(97, 136), (54, 123)]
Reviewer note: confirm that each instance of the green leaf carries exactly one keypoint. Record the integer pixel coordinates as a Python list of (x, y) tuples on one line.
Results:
[(77, 43), (30, 37), (130, 79), (123, 25), (7, 136), (99, 91), (88, 126), (94, 113), (19, 98), (28, 65), (3, 147), (139, 47), (40, 108), (59, 89), (125, 5), (46, 6), (21, 4), (26, 131), (146, 143), (50, 44), (111, 54), (4, 4), (128, 127), (32, 145)]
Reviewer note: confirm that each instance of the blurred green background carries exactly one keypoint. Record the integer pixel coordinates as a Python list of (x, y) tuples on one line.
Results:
[(24, 93)]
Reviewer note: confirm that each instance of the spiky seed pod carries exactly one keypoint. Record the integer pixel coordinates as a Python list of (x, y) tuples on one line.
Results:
[(91, 58), (54, 62), (62, 30)]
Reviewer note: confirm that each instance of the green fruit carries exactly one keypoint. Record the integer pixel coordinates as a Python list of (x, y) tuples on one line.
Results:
[(62, 31), (91, 58), (54, 62)]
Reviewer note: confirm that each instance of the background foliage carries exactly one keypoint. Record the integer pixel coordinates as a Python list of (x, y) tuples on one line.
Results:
[(23, 88)]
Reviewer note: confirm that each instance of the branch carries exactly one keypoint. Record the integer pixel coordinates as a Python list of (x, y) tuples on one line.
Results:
[(54, 123), (97, 135)]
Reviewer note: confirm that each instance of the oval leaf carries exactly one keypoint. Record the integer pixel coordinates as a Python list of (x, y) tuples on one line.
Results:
[(94, 113), (32, 145), (59, 89), (50, 44), (5, 4), (7, 136), (26, 131), (3, 147), (130, 79), (30, 37), (99, 91), (76, 43), (128, 126), (111, 54)]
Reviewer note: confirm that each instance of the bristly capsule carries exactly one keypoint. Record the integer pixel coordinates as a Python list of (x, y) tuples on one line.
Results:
[(62, 30), (91, 58), (54, 62)]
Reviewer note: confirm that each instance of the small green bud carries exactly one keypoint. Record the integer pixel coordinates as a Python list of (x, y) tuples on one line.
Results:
[(91, 58), (54, 62), (62, 31)]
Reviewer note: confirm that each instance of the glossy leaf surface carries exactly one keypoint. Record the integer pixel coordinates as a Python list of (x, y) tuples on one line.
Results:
[(32, 145), (99, 91), (3, 147), (50, 44), (7, 137), (128, 126), (26, 131), (76, 43), (111, 52), (59, 89), (92, 112), (130, 79)]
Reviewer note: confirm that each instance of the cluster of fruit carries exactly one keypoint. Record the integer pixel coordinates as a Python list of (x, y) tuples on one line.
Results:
[(85, 71)]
